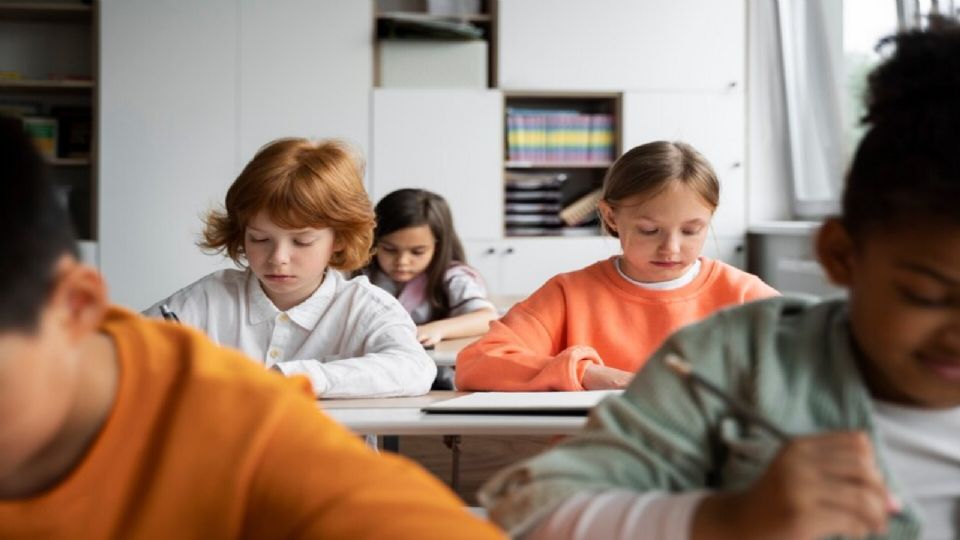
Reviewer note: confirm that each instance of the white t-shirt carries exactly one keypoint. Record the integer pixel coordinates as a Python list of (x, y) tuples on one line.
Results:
[(350, 338), (465, 289)]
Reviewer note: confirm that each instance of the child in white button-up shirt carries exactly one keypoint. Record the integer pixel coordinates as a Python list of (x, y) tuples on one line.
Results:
[(295, 217)]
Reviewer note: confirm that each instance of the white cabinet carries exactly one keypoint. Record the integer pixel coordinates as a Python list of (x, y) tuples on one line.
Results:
[(713, 122), (167, 139), (519, 266), (306, 68), (621, 44), (446, 141)]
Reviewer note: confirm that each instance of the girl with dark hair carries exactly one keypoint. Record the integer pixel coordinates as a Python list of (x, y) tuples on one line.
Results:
[(420, 260)]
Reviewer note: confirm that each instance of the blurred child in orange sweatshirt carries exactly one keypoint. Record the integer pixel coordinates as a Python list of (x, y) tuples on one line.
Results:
[(593, 328), (117, 426)]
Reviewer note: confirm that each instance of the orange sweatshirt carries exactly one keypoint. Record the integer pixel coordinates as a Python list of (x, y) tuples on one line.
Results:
[(593, 315), (203, 443)]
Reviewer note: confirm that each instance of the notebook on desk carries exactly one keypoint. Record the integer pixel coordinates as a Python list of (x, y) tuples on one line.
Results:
[(561, 403)]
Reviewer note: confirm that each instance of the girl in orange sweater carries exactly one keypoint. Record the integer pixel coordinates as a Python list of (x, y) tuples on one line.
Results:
[(593, 328)]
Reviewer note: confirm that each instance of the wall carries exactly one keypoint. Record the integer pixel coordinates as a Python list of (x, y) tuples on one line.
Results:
[(188, 92)]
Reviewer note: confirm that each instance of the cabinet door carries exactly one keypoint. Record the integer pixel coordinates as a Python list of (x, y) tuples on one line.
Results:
[(621, 44), (713, 122), (484, 256), (527, 263), (167, 139), (306, 69), (447, 141)]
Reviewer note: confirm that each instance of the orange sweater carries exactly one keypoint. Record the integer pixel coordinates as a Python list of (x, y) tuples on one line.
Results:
[(593, 315), (203, 443)]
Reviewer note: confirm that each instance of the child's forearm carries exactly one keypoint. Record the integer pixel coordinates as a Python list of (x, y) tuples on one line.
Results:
[(470, 324)]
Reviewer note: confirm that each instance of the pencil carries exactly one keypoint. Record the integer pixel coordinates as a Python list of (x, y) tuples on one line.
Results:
[(684, 369), (167, 314)]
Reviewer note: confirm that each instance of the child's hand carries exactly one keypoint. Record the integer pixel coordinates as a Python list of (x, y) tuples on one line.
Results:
[(430, 333), (817, 486), (602, 378)]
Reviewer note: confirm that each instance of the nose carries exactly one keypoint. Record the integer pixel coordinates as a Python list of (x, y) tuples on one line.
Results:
[(670, 243), (279, 255), (403, 258)]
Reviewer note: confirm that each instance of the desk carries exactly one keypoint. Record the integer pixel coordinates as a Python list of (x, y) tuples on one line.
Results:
[(402, 416), (445, 352)]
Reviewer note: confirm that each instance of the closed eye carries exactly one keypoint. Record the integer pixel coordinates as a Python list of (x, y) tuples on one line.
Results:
[(924, 300)]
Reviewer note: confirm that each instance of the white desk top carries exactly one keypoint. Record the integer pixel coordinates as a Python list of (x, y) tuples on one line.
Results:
[(445, 352), (402, 416)]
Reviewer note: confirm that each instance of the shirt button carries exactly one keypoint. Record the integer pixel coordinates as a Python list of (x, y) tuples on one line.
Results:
[(284, 318), (274, 353)]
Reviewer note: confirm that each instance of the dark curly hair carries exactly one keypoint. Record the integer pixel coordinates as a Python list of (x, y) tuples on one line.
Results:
[(907, 166)]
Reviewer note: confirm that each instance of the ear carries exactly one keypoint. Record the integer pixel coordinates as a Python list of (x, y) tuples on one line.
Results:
[(606, 214), (79, 298), (835, 250)]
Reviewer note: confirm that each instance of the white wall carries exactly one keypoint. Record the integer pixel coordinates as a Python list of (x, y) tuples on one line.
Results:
[(188, 91), (167, 134), (305, 70)]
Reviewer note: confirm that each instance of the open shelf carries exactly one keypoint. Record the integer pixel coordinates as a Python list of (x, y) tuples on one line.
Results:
[(52, 12), (559, 146), (479, 18), (557, 164), (32, 86), (68, 162)]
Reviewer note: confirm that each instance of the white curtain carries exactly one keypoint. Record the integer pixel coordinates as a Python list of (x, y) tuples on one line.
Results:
[(811, 55)]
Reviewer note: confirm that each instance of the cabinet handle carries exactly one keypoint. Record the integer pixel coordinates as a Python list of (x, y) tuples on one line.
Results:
[(736, 165), (508, 251), (731, 85), (489, 251)]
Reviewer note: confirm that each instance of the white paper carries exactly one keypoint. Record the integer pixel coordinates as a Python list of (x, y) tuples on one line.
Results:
[(515, 402)]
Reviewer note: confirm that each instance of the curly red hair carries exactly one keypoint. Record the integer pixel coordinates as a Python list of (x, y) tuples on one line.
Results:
[(299, 183)]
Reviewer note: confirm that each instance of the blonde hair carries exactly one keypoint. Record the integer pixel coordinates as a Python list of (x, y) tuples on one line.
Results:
[(299, 183), (650, 168)]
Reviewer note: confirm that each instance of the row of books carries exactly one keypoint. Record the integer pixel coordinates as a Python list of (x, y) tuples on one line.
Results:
[(559, 136), (534, 206)]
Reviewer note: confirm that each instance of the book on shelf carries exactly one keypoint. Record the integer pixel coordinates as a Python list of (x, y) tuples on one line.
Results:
[(42, 130), (558, 136), (532, 207), (75, 131), (547, 195)]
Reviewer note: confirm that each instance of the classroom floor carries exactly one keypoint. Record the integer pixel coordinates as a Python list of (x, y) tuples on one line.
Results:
[(480, 457)]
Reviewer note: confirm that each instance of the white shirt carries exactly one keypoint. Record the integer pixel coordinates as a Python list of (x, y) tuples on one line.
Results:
[(668, 285), (923, 452), (350, 338)]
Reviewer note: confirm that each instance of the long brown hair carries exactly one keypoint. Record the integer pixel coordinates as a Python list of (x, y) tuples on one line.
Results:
[(405, 208)]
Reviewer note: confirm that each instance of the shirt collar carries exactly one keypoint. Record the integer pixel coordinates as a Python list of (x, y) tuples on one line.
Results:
[(306, 314)]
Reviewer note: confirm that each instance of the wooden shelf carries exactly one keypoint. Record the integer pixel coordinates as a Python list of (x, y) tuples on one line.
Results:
[(68, 162), (557, 165), (406, 15), (51, 12), (8, 86)]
